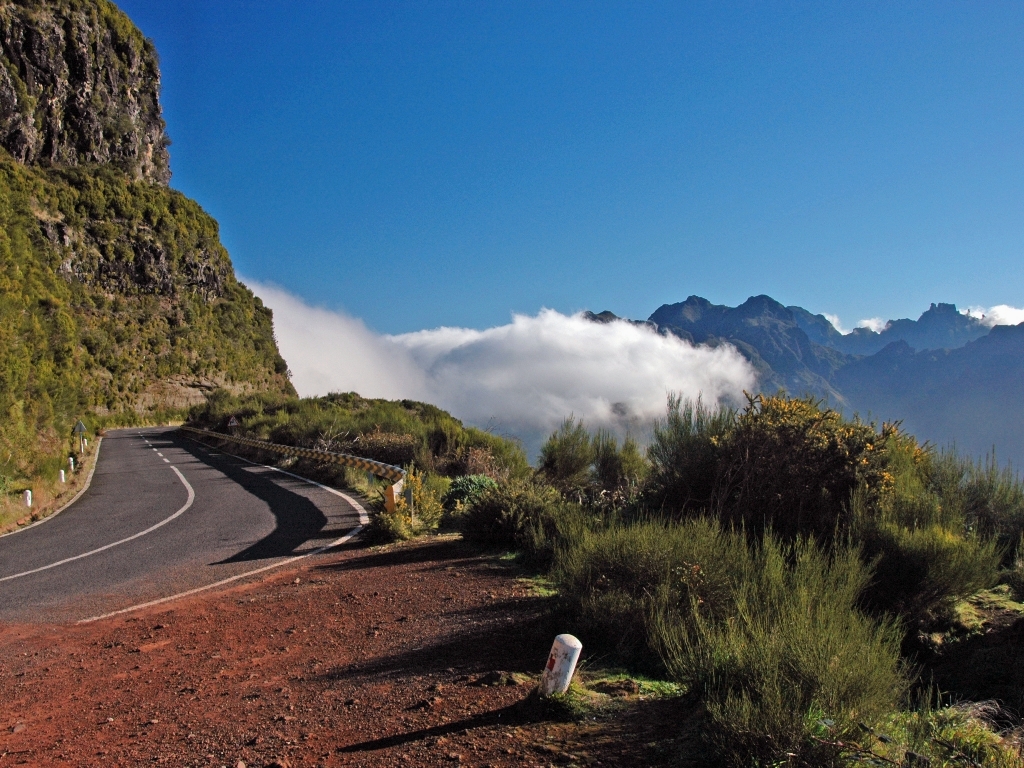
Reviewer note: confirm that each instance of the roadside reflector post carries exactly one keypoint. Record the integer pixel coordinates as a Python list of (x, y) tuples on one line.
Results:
[(565, 652), (28, 498), (391, 494), (62, 479), (71, 463)]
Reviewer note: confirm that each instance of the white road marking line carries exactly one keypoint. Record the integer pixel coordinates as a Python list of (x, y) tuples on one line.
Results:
[(162, 523), (351, 534), (363, 520), (158, 453), (88, 482), (167, 460)]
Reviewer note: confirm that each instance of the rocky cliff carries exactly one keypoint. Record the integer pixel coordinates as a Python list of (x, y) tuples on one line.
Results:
[(80, 84), (118, 302)]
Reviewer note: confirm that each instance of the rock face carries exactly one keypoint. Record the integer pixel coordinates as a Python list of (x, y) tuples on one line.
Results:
[(80, 84), (118, 301), (766, 333)]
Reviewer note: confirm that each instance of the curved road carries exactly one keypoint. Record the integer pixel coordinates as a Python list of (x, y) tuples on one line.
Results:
[(163, 515)]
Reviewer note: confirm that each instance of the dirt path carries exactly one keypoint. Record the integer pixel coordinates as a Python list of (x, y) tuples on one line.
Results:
[(375, 657)]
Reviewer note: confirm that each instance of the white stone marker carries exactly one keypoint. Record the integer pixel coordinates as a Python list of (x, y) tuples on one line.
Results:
[(28, 498), (62, 479), (565, 652)]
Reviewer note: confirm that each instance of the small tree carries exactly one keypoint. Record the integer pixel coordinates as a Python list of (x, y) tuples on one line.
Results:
[(566, 457)]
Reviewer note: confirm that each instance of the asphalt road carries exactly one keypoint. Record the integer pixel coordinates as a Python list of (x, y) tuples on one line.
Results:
[(163, 515)]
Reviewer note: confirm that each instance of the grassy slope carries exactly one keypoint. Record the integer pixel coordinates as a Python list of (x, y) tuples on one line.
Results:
[(107, 286)]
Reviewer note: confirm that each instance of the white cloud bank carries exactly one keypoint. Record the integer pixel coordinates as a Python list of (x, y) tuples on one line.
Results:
[(1001, 314), (523, 377)]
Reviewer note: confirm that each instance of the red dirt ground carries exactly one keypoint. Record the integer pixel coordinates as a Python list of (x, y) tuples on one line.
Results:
[(366, 657)]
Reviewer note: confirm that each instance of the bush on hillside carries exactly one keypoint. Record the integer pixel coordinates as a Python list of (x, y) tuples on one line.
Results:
[(686, 456), (566, 457), (921, 573), (405, 522), (620, 580), (990, 499), (793, 655), (465, 490), (792, 466), (524, 515), (396, 432), (615, 467)]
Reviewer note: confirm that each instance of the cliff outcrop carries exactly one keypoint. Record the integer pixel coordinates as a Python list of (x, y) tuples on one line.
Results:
[(79, 83), (118, 302)]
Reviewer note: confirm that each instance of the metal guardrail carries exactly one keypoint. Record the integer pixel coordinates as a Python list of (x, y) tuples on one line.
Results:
[(386, 471)]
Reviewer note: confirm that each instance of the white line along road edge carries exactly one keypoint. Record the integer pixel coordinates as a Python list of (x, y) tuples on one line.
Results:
[(140, 534), (351, 534), (88, 482), (363, 520)]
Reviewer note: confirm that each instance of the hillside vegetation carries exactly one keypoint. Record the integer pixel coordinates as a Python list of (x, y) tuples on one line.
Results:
[(118, 303), (785, 565)]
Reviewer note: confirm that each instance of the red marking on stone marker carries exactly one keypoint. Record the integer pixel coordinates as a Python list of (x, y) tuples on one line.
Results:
[(551, 661)]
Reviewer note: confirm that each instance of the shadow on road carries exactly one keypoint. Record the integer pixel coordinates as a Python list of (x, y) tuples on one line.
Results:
[(298, 519)]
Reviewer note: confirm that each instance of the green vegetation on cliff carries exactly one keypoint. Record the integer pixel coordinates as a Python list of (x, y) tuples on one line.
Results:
[(116, 300), (118, 303)]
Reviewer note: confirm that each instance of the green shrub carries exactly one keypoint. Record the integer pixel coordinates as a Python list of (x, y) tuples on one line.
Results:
[(522, 515), (616, 467), (566, 457), (989, 499), (794, 652), (620, 580), (465, 490), (920, 573), (397, 432), (686, 456), (405, 523), (793, 466)]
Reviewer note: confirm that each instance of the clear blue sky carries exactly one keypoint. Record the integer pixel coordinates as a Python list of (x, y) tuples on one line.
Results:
[(428, 163)]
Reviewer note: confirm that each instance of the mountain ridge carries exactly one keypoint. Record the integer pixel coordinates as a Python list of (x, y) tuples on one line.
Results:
[(947, 377)]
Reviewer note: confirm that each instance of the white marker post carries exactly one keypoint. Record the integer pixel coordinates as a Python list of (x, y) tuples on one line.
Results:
[(565, 652), (28, 498), (71, 463), (62, 478)]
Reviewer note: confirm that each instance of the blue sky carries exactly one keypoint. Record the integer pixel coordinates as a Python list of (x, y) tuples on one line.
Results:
[(420, 164)]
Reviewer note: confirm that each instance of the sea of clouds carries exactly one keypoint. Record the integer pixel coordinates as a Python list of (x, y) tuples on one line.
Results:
[(521, 378)]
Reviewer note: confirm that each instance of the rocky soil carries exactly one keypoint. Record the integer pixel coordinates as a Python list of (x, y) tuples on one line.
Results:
[(419, 654)]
